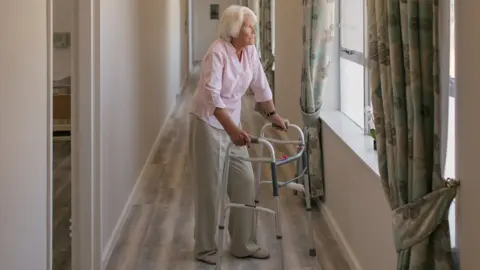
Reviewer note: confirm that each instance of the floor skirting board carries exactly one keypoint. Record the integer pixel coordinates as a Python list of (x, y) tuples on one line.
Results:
[(107, 252), (109, 247), (340, 237)]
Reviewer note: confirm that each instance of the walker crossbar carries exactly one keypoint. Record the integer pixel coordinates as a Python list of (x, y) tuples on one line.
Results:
[(276, 185), (281, 184), (277, 162), (277, 141), (252, 207)]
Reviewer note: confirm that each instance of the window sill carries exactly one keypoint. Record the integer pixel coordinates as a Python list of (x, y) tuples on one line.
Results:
[(353, 136)]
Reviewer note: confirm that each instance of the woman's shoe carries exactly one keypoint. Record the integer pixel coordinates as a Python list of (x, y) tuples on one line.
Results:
[(208, 258), (261, 253)]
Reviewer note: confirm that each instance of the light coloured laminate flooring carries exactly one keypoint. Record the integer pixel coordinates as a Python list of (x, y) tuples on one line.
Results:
[(61, 205), (158, 234)]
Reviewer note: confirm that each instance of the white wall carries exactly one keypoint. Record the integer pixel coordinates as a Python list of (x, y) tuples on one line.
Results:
[(62, 22), (467, 132), (23, 134), (357, 204), (142, 62), (288, 57), (204, 29)]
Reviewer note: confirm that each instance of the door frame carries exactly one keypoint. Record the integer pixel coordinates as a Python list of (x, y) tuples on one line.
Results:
[(86, 207), (49, 158)]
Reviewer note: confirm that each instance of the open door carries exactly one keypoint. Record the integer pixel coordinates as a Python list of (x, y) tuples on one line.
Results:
[(62, 66)]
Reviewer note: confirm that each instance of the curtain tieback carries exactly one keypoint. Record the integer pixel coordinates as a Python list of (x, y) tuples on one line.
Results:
[(414, 222), (311, 119)]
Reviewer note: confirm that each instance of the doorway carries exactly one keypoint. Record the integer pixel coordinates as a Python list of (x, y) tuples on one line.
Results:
[(62, 62), (75, 201)]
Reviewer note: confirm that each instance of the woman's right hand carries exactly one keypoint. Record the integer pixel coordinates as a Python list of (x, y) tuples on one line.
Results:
[(239, 137)]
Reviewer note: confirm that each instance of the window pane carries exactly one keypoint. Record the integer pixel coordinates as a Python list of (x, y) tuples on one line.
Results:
[(450, 162), (351, 24), (452, 38), (450, 165), (352, 87), (450, 158)]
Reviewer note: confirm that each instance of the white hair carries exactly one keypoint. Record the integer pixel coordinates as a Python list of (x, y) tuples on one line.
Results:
[(232, 20)]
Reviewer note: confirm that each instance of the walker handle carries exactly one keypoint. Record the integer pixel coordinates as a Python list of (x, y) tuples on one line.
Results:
[(278, 127), (254, 140)]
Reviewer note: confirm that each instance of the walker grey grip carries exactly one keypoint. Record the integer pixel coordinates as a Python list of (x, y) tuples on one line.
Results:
[(278, 127), (254, 140)]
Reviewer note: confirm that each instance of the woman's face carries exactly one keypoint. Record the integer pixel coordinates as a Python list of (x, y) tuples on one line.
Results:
[(247, 32)]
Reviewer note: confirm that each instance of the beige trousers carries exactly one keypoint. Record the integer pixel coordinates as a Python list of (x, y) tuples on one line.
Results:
[(208, 147)]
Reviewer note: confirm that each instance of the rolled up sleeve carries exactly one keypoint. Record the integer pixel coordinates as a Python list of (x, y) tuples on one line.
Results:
[(212, 78), (261, 90)]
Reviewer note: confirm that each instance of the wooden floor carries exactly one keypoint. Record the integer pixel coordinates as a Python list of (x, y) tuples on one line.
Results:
[(158, 234), (62, 209)]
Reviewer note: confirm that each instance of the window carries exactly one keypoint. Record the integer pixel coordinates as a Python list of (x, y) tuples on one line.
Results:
[(256, 8), (450, 161), (450, 156), (354, 85), (354, 93)]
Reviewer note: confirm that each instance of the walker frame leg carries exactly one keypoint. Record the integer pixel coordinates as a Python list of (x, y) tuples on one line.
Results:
[(224, 209), (312, 252), (278, 224), (299, 166), (258, 178)]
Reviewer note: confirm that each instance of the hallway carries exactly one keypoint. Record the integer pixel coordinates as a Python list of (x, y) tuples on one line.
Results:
[(159, 231), (115, 200)]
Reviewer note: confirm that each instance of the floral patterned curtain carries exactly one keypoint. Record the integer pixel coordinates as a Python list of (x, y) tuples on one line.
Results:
[(263, 10), (404, 81), (254, 5), (318, 30), (265, 40)]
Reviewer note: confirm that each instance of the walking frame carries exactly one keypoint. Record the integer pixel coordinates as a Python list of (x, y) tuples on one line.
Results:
[(302, 172)]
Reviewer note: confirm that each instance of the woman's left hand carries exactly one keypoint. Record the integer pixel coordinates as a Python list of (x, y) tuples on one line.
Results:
[(279, 122)]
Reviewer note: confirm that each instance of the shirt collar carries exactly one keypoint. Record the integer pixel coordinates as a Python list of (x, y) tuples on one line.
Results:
[(230, 49)]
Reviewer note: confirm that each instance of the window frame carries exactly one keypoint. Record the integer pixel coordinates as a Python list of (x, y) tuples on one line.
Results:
[(445, 62), (453, 213), (362, 59), (358, 58), (452, 88)]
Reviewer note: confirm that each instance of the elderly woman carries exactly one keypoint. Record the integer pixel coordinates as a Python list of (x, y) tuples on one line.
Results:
[(230, 66)]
